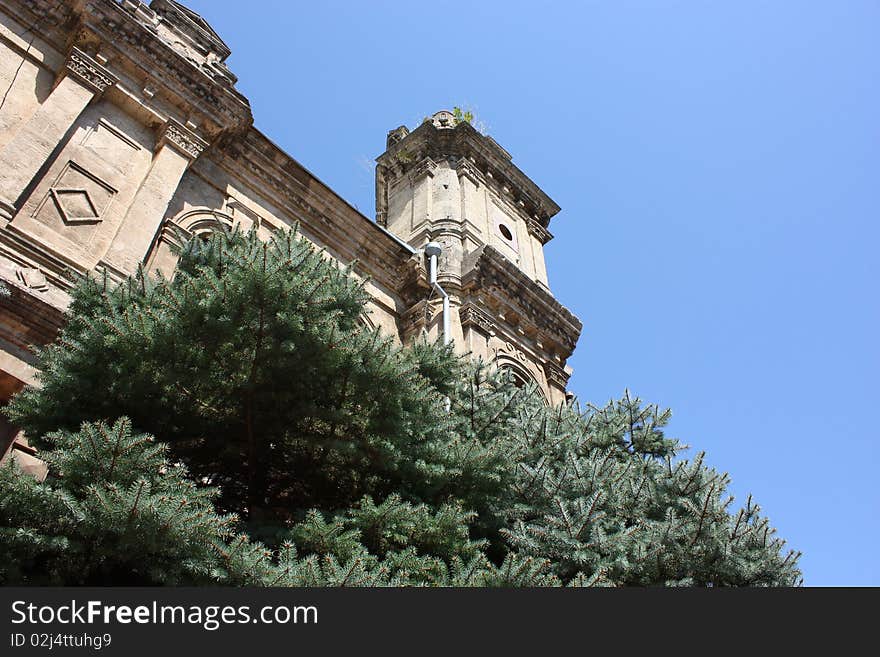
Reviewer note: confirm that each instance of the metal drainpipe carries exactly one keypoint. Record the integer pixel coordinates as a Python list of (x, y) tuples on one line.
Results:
[(433, 250)]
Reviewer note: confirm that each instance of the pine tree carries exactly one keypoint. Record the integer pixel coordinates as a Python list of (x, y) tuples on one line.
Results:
[(603, 496), (253, 365), (350, 461), (114, 511)]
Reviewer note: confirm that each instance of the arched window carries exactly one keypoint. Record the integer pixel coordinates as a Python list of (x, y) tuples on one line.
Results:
[(203, 221), (519, 375), (366, 322), (199, 222)]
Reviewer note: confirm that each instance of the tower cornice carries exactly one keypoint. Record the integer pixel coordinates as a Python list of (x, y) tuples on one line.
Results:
[(500, 284), (478, 152), (128, 35)]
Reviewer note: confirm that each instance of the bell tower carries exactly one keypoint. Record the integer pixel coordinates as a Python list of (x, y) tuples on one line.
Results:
[(447, 184)]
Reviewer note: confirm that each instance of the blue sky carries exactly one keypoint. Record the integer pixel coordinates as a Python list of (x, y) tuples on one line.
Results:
[(718, 170)]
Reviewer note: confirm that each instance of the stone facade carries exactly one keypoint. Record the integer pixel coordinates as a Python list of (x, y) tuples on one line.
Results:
[(122, 134)]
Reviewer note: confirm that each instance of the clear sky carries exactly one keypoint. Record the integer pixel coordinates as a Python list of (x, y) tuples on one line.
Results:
[(718, 168)]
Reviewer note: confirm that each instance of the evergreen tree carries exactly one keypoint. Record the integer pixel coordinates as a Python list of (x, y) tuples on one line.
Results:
[(253, 365), (114, 511), (337, 449), (603, 497)]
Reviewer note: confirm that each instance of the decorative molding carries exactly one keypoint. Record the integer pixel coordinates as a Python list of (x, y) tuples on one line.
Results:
[(238, 207), (33, 278), (423, 169), (507, 355), (173, 233), (183, 138), (511, 351), (474, 317), (414, 320), (465, 169), (411, 280), (178, 230), (396, 135), (521, 303), (538, 231), (116, 132), (204, 86), (323, 215), (556, 375), (7, 209), (24, 250), (196, 221), (88, 213), (89, 72), (43, 14), (486, 158), (113, 273)]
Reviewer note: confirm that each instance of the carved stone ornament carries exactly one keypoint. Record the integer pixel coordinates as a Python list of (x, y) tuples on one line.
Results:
[(556, 375), (538, 231), (75, 205), (89, 72), (184, 139), (465, 169), (424, 168), (500, 283), (33, 278), (473, 316), (414, 319), (512, 351)]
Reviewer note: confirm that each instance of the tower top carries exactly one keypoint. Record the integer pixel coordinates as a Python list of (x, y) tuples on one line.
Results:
[(443, 136), (454, 193), (443, 119)]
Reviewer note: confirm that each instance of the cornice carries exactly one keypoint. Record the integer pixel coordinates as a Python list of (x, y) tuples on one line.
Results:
[(423, 169), (118, 29), (184, 25), (482, 153), (260, 164), (538, 231), (556, 375), (124, 33), (501, 283), (25, 251), (47, 14)]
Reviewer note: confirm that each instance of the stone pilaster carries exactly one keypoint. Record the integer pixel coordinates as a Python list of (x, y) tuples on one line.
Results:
[(557, 378), (81, 80), (177, 147)]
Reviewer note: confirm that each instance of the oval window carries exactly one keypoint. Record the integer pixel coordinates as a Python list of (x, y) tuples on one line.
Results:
[(505, 231)]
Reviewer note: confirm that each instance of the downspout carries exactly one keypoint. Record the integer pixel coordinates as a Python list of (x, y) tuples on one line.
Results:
[(433, 250)]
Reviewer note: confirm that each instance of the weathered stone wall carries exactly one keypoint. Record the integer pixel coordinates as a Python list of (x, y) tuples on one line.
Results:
[(122, 134), (447, 183), (25, 82)]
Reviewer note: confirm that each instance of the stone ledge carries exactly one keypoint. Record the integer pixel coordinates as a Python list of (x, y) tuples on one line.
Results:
[(492, 275)]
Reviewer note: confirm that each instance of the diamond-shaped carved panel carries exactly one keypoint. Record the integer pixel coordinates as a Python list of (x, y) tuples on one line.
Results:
[(75, 205)]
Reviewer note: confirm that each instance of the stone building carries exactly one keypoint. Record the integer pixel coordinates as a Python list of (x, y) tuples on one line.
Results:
[(122, 133)]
